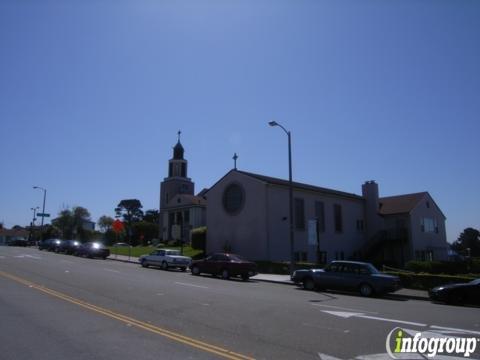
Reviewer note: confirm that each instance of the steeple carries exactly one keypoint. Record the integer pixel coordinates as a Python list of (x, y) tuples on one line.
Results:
[(177, 165), (178, 149)]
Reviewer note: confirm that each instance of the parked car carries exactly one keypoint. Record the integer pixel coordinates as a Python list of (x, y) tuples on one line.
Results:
[(466, 293), (17, 241), (50, 244), (226, 265), (350, 276), (166, 258), (92, 250), (69, 246)]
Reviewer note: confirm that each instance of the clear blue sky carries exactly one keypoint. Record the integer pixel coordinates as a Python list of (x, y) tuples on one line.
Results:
[(92, 94)]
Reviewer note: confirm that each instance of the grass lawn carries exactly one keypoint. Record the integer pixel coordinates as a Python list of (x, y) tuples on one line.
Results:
[(142, 250)]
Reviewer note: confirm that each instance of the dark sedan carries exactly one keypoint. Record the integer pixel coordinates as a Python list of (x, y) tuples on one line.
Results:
[(50, 245), (466, 293), (69, 246), (17, 241), (93, 250), (350, 276), (225, 265)]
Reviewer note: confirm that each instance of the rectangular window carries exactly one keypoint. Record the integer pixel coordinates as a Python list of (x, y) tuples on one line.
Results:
[(337, 213), (428, 225), (299, 214), (322, 257), (186, 217), (320, 215), (360, 225)]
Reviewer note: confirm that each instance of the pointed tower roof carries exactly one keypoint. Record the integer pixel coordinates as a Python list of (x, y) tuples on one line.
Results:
[(178, 149)]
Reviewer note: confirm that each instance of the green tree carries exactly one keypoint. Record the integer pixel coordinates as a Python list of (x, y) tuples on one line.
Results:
[(65, 223), (468, 239), (71, 223), (152, 216), (144, 232), (105, 223), (131, 212)]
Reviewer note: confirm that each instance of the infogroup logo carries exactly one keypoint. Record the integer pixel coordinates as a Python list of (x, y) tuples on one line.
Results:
[(400, 342)]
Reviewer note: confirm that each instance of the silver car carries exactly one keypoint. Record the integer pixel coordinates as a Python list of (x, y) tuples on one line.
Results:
[(166, 258)]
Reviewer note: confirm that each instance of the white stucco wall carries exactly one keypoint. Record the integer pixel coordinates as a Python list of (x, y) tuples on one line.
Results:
[(422, 241), (348, 241), (244, 232)]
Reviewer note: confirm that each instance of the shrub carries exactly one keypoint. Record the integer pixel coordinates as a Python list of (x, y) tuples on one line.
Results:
[(428, 281), (199, 238), (444, 267)]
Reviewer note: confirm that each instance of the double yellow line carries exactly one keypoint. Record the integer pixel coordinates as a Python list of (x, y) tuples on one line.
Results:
[(133, 322)]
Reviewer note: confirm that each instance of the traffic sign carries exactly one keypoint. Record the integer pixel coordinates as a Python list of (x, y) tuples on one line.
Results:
[(118, 226), (43, 214)]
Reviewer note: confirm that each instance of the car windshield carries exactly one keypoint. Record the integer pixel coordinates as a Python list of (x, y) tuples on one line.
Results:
[(236, 257), (172, 252), (475, 282), (373, 269)]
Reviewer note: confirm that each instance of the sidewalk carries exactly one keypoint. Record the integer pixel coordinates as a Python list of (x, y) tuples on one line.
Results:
[(285, 280)]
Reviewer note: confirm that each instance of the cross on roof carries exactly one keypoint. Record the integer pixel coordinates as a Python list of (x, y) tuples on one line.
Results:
[(235, 157)]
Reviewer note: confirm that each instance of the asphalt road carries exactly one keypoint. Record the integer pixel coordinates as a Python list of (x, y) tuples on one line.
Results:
[(54, 306)]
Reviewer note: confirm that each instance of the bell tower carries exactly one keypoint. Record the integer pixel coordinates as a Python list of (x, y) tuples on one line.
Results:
[(177, 181)]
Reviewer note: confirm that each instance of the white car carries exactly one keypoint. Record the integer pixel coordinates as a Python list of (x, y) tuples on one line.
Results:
[(166, 258)]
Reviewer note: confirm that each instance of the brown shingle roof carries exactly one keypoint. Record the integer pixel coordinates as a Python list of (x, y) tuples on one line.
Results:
[(400, 204)]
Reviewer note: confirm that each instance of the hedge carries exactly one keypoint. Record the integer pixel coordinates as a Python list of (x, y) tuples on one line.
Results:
[(445, 267), (429, 281)]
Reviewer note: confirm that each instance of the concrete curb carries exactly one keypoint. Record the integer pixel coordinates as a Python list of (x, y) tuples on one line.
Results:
[(291, 283)]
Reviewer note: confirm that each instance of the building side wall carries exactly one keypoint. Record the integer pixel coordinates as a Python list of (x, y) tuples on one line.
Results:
[(349, 240), (245, 232), (428, 241)]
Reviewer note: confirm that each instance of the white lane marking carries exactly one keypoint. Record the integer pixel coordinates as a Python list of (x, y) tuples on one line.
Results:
[(160, 294), (385, 356), (439, 329), (111, 270), (67, 271), (192, 285), (343, 308), (27, 256), (463, 331), (347, 315)]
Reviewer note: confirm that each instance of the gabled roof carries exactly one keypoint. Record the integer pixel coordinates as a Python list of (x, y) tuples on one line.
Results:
[(299, 186), (400, 204)]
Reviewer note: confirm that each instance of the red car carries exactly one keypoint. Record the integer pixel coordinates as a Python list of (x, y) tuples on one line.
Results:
[(225, 265)]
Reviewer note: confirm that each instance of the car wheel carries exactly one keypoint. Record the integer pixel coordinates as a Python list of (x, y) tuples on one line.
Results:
[(144, 264), (308, 284), (195, 270), (164, 265), (366, 290), (225, 274), (245, 277), (183, 269)]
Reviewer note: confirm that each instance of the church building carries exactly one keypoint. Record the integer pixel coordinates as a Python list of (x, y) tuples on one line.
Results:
[(180, 209), (248, 215)]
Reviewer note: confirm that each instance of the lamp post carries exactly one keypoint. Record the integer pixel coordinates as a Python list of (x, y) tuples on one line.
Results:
[(44, 198), (34, 214), (290, 195), (32, 225)]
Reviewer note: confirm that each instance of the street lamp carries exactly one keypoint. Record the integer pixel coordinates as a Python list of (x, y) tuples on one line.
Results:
[(32, 225), (44, 198), (34, 214), (290, 190)]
